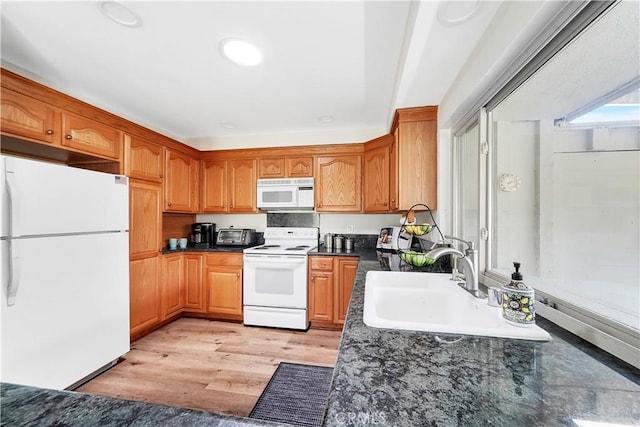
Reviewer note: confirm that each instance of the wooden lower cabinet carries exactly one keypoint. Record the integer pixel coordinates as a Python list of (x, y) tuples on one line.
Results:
[(347, 268), (172, 285), (144, 294), (330, 285), (223, 285), (194, 285), (320, 289)]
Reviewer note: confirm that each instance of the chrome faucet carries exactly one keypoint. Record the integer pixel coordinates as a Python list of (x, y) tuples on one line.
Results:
[(469, 260)]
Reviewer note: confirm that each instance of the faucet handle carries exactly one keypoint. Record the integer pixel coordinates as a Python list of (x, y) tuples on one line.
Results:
[(466, 242)]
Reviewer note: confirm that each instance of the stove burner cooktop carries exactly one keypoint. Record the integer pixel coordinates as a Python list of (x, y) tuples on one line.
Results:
[(265, 247), (298, 248)]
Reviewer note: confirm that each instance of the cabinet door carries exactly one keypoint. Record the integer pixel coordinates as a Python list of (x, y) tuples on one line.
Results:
[(339, 183), (393, 175), (28, 118), (321, 295), (143, 159), (347, 274), (144, 294), (376, 179), (242, 185), (194, 292), (89, 136), (214, 186), (181, 183), (172, 285), (224, 288), (418, 155), (299, 167), (271, 168), (145, 219)]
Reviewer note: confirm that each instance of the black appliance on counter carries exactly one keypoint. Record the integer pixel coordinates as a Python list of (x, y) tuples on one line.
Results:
[(203, 234)]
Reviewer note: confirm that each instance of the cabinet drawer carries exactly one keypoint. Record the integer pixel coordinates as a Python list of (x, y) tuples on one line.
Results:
[(220, 259), (321, 263)]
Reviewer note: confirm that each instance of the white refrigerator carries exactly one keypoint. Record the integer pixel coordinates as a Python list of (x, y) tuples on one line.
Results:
[(65, 272)]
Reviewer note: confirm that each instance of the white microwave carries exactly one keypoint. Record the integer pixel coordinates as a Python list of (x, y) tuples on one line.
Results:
[(286, 193)]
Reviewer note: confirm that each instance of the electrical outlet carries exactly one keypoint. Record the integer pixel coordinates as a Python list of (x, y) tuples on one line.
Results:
[(349, 228)]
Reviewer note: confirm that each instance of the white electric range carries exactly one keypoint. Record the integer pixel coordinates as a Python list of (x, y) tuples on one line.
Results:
[(275, 278)]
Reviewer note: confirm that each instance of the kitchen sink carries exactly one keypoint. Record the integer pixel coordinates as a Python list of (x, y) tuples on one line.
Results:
[(431, 302)]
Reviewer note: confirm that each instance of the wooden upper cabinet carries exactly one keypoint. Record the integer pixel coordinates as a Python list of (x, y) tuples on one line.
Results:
[(214, 186), (229, 185), (144, 159), (416, 131), (285, 167), (182, 181), (271, 168), (377, 178), (394, 202), (145, 219), (28, 118), (338, 183), (242, 185), (89, 136), (299, 167)]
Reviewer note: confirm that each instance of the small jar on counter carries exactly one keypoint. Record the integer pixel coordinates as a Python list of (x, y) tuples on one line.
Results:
[(348, 243)]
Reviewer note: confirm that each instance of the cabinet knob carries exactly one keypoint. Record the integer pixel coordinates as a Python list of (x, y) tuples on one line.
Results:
[(238, 275), (168, 203), (231, 206), (386, 203), (68, 136), (49, 132), (318, 205), (161, 175)]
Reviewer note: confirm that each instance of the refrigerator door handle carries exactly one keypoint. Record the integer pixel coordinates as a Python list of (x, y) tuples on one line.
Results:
[(14, 271), (14, 201)]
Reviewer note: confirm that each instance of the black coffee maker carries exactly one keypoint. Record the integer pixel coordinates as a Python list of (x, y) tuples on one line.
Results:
[(203, 234)]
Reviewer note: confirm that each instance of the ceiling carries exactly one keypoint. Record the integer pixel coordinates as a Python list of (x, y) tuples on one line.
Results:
[(355, 61)]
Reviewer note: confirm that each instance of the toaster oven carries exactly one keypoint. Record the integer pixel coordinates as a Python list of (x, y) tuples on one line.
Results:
[(236, 237)]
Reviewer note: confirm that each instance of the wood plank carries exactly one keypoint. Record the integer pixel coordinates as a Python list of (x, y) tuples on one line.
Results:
[(210, 365)]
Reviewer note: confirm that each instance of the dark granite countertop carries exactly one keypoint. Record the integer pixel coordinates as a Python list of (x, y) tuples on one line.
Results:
[(236, 249), (403, 378), (29, 406)]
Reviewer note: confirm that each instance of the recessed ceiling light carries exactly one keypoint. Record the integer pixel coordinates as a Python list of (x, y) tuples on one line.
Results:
[(326, 119), (241, 52), (457, 12), (119, 13), (227, 125)]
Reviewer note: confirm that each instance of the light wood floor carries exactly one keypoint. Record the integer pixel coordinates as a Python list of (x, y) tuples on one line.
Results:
[(213, 366)]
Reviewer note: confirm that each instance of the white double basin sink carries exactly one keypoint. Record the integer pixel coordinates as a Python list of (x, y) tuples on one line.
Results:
[(431, 302)]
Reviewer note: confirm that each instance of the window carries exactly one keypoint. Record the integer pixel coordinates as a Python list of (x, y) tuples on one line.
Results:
[(563, 184)]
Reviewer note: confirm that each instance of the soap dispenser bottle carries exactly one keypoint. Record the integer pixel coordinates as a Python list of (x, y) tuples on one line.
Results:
[(518, 300)]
